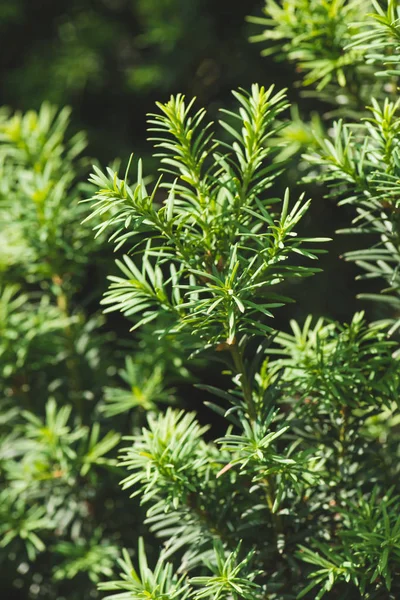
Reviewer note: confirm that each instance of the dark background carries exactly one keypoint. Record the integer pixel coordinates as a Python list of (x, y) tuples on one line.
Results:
[(110, 60)]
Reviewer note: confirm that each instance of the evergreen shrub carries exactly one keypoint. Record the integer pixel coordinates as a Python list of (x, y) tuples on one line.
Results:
[(291, 488)]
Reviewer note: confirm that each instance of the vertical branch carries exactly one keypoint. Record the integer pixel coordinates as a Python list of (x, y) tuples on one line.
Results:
[(237, 356)]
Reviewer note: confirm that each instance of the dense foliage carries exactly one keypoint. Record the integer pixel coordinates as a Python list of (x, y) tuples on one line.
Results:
[(287, 485), (59, 380)]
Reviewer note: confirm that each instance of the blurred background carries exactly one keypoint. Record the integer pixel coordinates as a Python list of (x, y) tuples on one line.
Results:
[(110, 60)]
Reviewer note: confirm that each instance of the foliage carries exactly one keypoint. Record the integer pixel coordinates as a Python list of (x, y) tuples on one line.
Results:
[(303, 474), (316, 36), (291, 490), (361, 165), (58, 481), (217, 208), (344, 364), (335, 47), (157, 584)]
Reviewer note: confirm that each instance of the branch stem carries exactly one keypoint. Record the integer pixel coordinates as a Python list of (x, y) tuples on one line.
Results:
[(237, 356)]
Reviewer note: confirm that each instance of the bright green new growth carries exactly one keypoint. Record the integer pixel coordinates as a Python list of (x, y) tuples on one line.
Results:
[(218, 244), (315, 35), (360, 158)]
